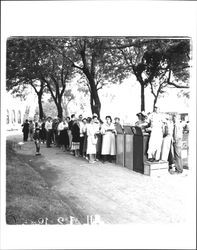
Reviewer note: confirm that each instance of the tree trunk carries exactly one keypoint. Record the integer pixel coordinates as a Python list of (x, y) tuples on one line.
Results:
[(142, 97), (41, 113), (154, 102), (94, 99), (95, 106), (59, 110)]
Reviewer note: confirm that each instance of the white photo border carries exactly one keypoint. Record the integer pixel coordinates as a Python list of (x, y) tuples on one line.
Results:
[(100, 18)]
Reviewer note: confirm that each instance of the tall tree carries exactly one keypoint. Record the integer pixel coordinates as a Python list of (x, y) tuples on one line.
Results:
[(32, 60), (94, 61), (168, 62), (57, 70), (159, 63), (23, 67), (129, 52)]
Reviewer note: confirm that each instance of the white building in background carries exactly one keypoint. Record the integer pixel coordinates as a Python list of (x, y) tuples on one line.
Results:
[(15, 110)]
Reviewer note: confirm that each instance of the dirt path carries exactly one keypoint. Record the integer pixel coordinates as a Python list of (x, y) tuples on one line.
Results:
[(114, 193)]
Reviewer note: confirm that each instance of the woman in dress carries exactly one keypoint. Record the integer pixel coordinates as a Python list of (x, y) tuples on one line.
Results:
[(63, 134), (142, 122), (43, 131), (91, 141), (75, 138), (108, 131)]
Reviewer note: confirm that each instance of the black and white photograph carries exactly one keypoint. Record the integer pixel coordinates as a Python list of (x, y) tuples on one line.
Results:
[(98, 132)]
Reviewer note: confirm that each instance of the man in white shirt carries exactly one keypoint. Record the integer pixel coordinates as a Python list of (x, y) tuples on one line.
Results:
[(48, 127)]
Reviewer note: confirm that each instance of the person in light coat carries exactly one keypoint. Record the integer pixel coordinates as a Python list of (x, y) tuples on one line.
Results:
[(91, 141), (156, 136), (108, 131)]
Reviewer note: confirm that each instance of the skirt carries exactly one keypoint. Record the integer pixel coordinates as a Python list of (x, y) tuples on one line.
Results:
[(63, 138), (75, 145)]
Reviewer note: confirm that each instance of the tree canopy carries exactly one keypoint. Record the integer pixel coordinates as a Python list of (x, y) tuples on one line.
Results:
[(48, 64)]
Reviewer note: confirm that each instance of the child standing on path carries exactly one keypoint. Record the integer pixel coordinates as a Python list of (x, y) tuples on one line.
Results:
[(37, 140)]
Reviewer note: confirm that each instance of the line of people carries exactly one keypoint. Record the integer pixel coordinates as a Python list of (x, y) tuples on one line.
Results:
[(95, 140), (83, 137)]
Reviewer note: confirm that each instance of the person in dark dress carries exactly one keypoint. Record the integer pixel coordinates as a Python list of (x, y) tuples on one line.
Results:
[(87, 122), (81, 126), (63, 134), (25, 130), (70, 124), (75, 138)]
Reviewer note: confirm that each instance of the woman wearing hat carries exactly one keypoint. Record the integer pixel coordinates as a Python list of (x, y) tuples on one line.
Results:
[(142, 123)]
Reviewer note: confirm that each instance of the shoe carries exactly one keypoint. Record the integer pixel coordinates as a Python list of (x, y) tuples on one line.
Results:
[(150, 159), (172, 171), (179, 172), (91, 162)]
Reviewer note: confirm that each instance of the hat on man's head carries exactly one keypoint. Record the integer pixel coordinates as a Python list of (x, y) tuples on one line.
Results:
[(139, 114)]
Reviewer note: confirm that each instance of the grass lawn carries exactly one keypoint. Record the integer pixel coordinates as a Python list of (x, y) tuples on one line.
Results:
[(29, 199)]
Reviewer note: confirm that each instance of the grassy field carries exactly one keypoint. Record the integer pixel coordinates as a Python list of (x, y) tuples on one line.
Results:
[(29, 199)]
